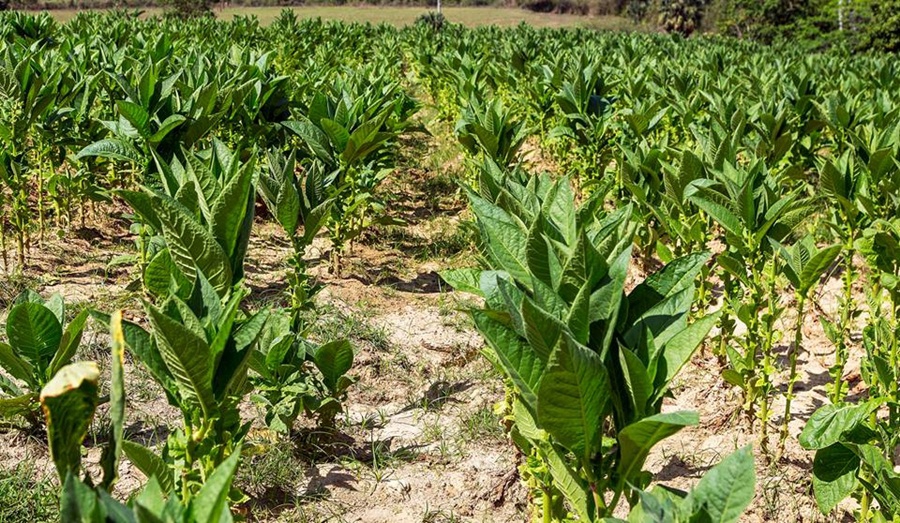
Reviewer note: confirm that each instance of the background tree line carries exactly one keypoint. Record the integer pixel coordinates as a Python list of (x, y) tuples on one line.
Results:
[(815, 24)]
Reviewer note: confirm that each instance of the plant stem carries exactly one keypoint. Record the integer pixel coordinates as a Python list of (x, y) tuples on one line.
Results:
[(3, 244), (847, 308), (864, 506), (792, 379), (547, 509), (40, 204), (601, 508)]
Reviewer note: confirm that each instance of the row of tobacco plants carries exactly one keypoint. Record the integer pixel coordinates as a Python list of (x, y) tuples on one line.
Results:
[(785, 167), (741, 180)]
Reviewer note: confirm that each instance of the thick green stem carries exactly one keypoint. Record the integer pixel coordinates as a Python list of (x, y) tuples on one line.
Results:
[(599, 503), (768, 363), (40, 204), (20, 249), (792, 378), (864, 506), (547, 502), (847, 310), (753, 338), (3, 245)]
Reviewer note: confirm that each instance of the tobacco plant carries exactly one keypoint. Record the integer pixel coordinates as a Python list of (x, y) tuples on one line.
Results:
[(39, 344), (69, 402), (293, 374), (198, 350), (722, 494), (301, 204), (750, 206), (204, 213), (160, 115), (845, 182), (200, 341), (346, 138), (587, 364), (804, 265), (585, 110), (27, 103), (854, 456), (491, 130)]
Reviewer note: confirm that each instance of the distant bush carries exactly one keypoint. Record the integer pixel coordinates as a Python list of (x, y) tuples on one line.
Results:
[(583, 7), (432, 19), (883, 30), (185, 9), (681, 16)]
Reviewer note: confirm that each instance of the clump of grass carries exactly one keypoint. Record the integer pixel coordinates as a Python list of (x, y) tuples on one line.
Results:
[(13, 284), (26, 498), (481, 424), (334, 323), (271, 476)]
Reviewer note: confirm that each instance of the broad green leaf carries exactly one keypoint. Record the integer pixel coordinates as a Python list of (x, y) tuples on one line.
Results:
[(657, 506), (71, 338), (162, 277), (193, 248), (826, 426), (579, 318), (78, 502), (167, 126), (229, 209), (568, 482), (19, 405), (136, 116), (145, 205), (57, 306), (538, 255), (542, 330), (149, 464), (187, 358), (314, 138), (637, 381), (504, 236), (818, 264), (315, 219), (287, 205), (726, 490), (29, 296), (337, 134), (112, 149), (673, 278), (113, 450), (520, 362), (680, 347), (231, 372), (834, 476), (712, 204), (16, 367), (573, 398), (34, 334), (212, 499), (151, 499), (638, 439), (116, 512), (606, 300), (463, 280), (225, 325), (333, 360)]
